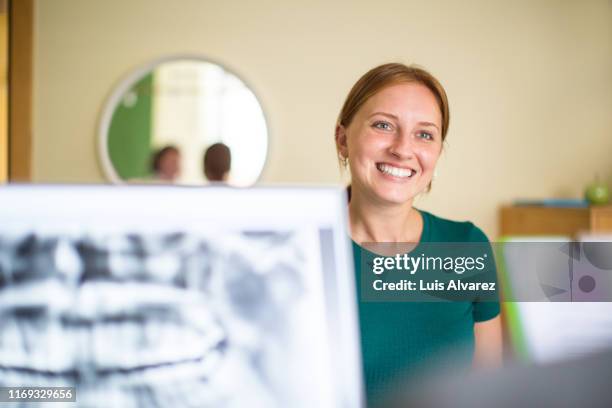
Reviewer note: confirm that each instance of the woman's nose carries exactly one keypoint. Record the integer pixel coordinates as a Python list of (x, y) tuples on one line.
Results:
[(402, 146)]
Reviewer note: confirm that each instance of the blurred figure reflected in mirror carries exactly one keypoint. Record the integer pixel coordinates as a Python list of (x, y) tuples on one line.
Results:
[(217, 162), (166, 164)]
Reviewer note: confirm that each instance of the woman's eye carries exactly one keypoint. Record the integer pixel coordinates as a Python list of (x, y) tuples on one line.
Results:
[(382, 125), (425, 135)]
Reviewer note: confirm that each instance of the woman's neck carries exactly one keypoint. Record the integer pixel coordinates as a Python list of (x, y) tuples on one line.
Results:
[(373, 222)]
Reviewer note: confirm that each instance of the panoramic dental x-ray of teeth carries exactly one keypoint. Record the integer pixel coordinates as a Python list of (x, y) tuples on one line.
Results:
[(150, 320)]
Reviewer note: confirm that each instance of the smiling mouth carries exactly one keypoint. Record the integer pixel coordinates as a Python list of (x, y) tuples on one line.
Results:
[(398, 172)]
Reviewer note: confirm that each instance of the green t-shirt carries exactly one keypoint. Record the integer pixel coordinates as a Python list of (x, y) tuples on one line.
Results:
[(404, 339)]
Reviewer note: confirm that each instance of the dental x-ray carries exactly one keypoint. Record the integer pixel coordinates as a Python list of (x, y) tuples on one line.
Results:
[(178, 297)]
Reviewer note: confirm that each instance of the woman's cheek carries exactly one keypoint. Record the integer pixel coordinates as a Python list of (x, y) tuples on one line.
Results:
[(428, 160)]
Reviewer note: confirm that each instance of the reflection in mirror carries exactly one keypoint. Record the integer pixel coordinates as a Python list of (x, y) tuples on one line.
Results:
[(159, 124)]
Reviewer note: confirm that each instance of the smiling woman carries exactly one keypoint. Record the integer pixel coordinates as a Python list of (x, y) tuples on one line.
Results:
[(390, 134), (398, 128)]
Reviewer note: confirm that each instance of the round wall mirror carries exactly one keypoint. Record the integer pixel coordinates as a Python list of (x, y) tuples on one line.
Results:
[(183, 120)]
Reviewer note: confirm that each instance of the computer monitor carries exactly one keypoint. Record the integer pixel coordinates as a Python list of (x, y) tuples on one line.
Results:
[(557, 295), (179, 296)]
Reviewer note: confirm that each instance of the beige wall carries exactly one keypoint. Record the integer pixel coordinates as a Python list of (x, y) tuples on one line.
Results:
[(530, 83)]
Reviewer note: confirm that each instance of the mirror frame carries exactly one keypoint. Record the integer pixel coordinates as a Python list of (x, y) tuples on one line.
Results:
[(119, 90)]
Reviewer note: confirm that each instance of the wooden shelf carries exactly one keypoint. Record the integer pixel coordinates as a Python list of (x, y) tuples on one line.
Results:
[(541, 220), (601, 219)]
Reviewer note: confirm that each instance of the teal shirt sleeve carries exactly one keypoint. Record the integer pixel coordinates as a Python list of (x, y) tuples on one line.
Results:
[(483, 311)]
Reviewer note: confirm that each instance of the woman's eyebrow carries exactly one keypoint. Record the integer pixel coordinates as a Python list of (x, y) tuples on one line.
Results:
[(428, 124), (390, 115)]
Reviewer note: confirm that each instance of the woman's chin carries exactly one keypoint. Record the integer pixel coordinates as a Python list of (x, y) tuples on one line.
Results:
[(395, 197)]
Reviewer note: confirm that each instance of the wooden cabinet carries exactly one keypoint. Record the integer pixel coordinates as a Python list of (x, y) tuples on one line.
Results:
[(542, 220), (601, 219)]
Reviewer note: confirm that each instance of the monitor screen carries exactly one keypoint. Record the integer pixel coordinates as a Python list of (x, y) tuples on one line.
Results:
[(557, 296)]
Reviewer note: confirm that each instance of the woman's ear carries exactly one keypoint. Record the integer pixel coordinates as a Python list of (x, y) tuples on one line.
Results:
[(341, 144)]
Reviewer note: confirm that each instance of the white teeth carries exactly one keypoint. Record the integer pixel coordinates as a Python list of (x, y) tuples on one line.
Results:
[(395, 171)]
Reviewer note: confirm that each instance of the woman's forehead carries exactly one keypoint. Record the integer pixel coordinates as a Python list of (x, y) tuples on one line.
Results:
[(404, 100)]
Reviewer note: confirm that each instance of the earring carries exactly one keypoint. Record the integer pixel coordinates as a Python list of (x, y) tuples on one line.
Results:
[(343, 160), (435, 174)]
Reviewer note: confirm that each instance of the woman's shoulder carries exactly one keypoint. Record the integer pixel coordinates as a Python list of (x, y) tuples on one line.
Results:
[(445, 230)]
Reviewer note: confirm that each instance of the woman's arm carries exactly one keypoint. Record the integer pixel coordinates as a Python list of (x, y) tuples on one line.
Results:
[(488, 339)]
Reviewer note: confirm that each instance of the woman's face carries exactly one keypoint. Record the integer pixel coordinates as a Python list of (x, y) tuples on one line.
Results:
[(393, 143)]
